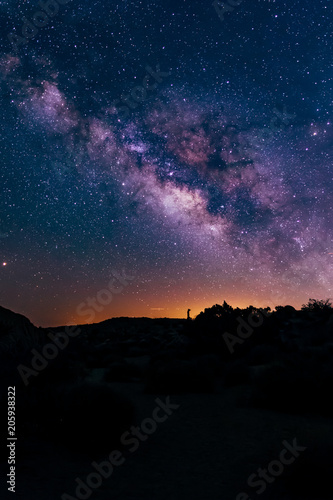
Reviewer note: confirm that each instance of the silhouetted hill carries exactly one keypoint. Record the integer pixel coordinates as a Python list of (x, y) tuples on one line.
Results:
[(14, 322), (244, 379)]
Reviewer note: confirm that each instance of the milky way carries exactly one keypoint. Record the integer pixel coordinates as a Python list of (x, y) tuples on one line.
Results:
[(192, 152)]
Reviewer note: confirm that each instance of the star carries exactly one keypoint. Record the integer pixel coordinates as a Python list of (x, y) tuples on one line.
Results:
[(185, 159)]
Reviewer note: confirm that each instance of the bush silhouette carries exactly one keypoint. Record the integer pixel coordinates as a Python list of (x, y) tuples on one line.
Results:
[(316, 305), (294, 385), (180, 375)]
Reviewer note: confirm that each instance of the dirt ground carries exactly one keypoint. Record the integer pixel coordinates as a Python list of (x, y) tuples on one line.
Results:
[(205, 450)]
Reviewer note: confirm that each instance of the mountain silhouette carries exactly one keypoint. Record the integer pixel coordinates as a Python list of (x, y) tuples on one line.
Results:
[(11, 322)]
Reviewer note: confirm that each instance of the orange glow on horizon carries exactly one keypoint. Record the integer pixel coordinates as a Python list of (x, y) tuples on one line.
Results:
[(172, 310)]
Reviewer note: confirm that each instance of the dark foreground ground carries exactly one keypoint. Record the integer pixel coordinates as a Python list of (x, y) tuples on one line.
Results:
[(234, 406)]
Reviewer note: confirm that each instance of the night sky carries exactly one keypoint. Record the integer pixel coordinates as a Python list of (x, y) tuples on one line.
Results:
[(183, 147)]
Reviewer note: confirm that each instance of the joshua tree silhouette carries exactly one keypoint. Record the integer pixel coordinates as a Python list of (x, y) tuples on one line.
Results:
[(188, 314)]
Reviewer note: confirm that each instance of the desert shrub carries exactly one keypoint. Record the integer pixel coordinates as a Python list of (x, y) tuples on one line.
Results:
[(318, 336), (121, 371), (179, 375), (96, 357), (210, 363), (316, 354), (262, 355), (168, 355), (316, 305), (294, 385), (236, 373)]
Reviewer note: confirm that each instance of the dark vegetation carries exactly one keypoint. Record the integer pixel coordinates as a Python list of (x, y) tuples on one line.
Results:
[(285, 361)]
